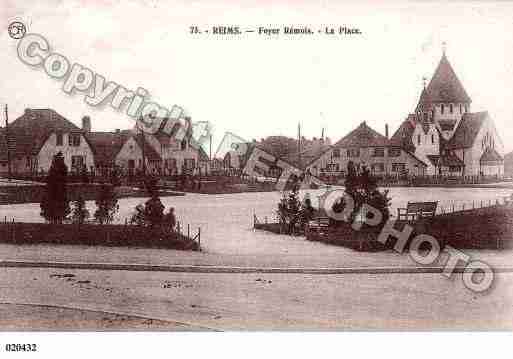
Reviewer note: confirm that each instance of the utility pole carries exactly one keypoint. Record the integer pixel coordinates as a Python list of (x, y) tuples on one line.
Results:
[(210, 154), (299, 144), (8, 142), (143, 150)]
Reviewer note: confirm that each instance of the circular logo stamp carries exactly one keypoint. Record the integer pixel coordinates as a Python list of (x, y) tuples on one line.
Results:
[(17, 30)]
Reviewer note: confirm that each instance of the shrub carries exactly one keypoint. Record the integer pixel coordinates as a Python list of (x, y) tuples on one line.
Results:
[(79, 213), (107, 205), (150, 214), (363, 189), (292, 211)]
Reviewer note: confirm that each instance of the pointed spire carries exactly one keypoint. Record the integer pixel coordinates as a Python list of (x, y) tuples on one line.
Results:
[(444, 48), (444, 87)]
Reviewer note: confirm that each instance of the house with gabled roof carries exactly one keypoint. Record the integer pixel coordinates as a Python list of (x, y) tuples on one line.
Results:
[(34, 138), (123, 149), (178, 155), (365, 146), (445, 134)]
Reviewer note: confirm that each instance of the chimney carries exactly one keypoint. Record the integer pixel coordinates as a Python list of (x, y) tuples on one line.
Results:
[(86, 124), (386, 130)]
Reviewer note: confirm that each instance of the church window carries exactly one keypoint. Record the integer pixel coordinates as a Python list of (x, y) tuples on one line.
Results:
[(451, 108), (461, 108), (442, 108), (418, 139), (432, 115), (433, 139), (466, 108), (425, 116)]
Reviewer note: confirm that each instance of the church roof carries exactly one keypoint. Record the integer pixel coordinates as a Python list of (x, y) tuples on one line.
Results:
[(443, 87), (467, 130), (363, 136)]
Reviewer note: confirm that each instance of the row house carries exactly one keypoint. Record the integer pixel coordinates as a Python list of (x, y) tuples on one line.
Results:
[(33, 139), (366, 147)]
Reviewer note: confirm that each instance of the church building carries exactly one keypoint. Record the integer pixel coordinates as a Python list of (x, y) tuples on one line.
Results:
[(445, 134)]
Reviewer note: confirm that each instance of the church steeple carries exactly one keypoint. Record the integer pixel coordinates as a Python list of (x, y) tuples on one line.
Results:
[(445, 87)]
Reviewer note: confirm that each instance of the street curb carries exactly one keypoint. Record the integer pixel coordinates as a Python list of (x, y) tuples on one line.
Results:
[(226, 269)]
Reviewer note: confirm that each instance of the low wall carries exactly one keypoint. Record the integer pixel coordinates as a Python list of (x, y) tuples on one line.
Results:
[(92, 234)]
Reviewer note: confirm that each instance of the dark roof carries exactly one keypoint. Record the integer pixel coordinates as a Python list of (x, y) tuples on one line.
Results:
[(467, 130), (490, 155), (43, 121), (363, 136), (403, 136), (447, 160), (106, 145), (443, 87), (29, 132)]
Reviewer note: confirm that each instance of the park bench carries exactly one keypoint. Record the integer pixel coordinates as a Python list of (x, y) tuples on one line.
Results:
[(319, 224), (416, 210)]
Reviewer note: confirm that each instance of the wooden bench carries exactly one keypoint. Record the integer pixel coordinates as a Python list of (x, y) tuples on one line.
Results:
[(416, 210), (319, 224)]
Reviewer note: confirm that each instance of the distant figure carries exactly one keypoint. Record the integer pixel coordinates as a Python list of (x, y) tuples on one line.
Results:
[(170, 219)]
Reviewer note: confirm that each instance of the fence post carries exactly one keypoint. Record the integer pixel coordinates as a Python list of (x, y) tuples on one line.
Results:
[(199, 238)]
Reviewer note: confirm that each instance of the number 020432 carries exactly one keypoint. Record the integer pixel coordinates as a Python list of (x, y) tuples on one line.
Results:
[(20, 347)]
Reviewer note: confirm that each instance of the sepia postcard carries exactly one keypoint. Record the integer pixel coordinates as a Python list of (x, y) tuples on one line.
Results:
[(256, 166)]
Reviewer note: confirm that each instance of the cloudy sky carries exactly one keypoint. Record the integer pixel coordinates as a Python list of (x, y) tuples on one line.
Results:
[(257, 86)]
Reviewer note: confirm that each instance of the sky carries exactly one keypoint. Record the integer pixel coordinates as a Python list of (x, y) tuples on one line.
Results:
[(254, 85)]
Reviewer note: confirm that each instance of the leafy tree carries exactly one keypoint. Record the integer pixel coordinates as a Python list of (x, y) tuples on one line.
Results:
[(151, 214), (154, 211), (363, 189), (79, 213), (107, 204), (55, 204)]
